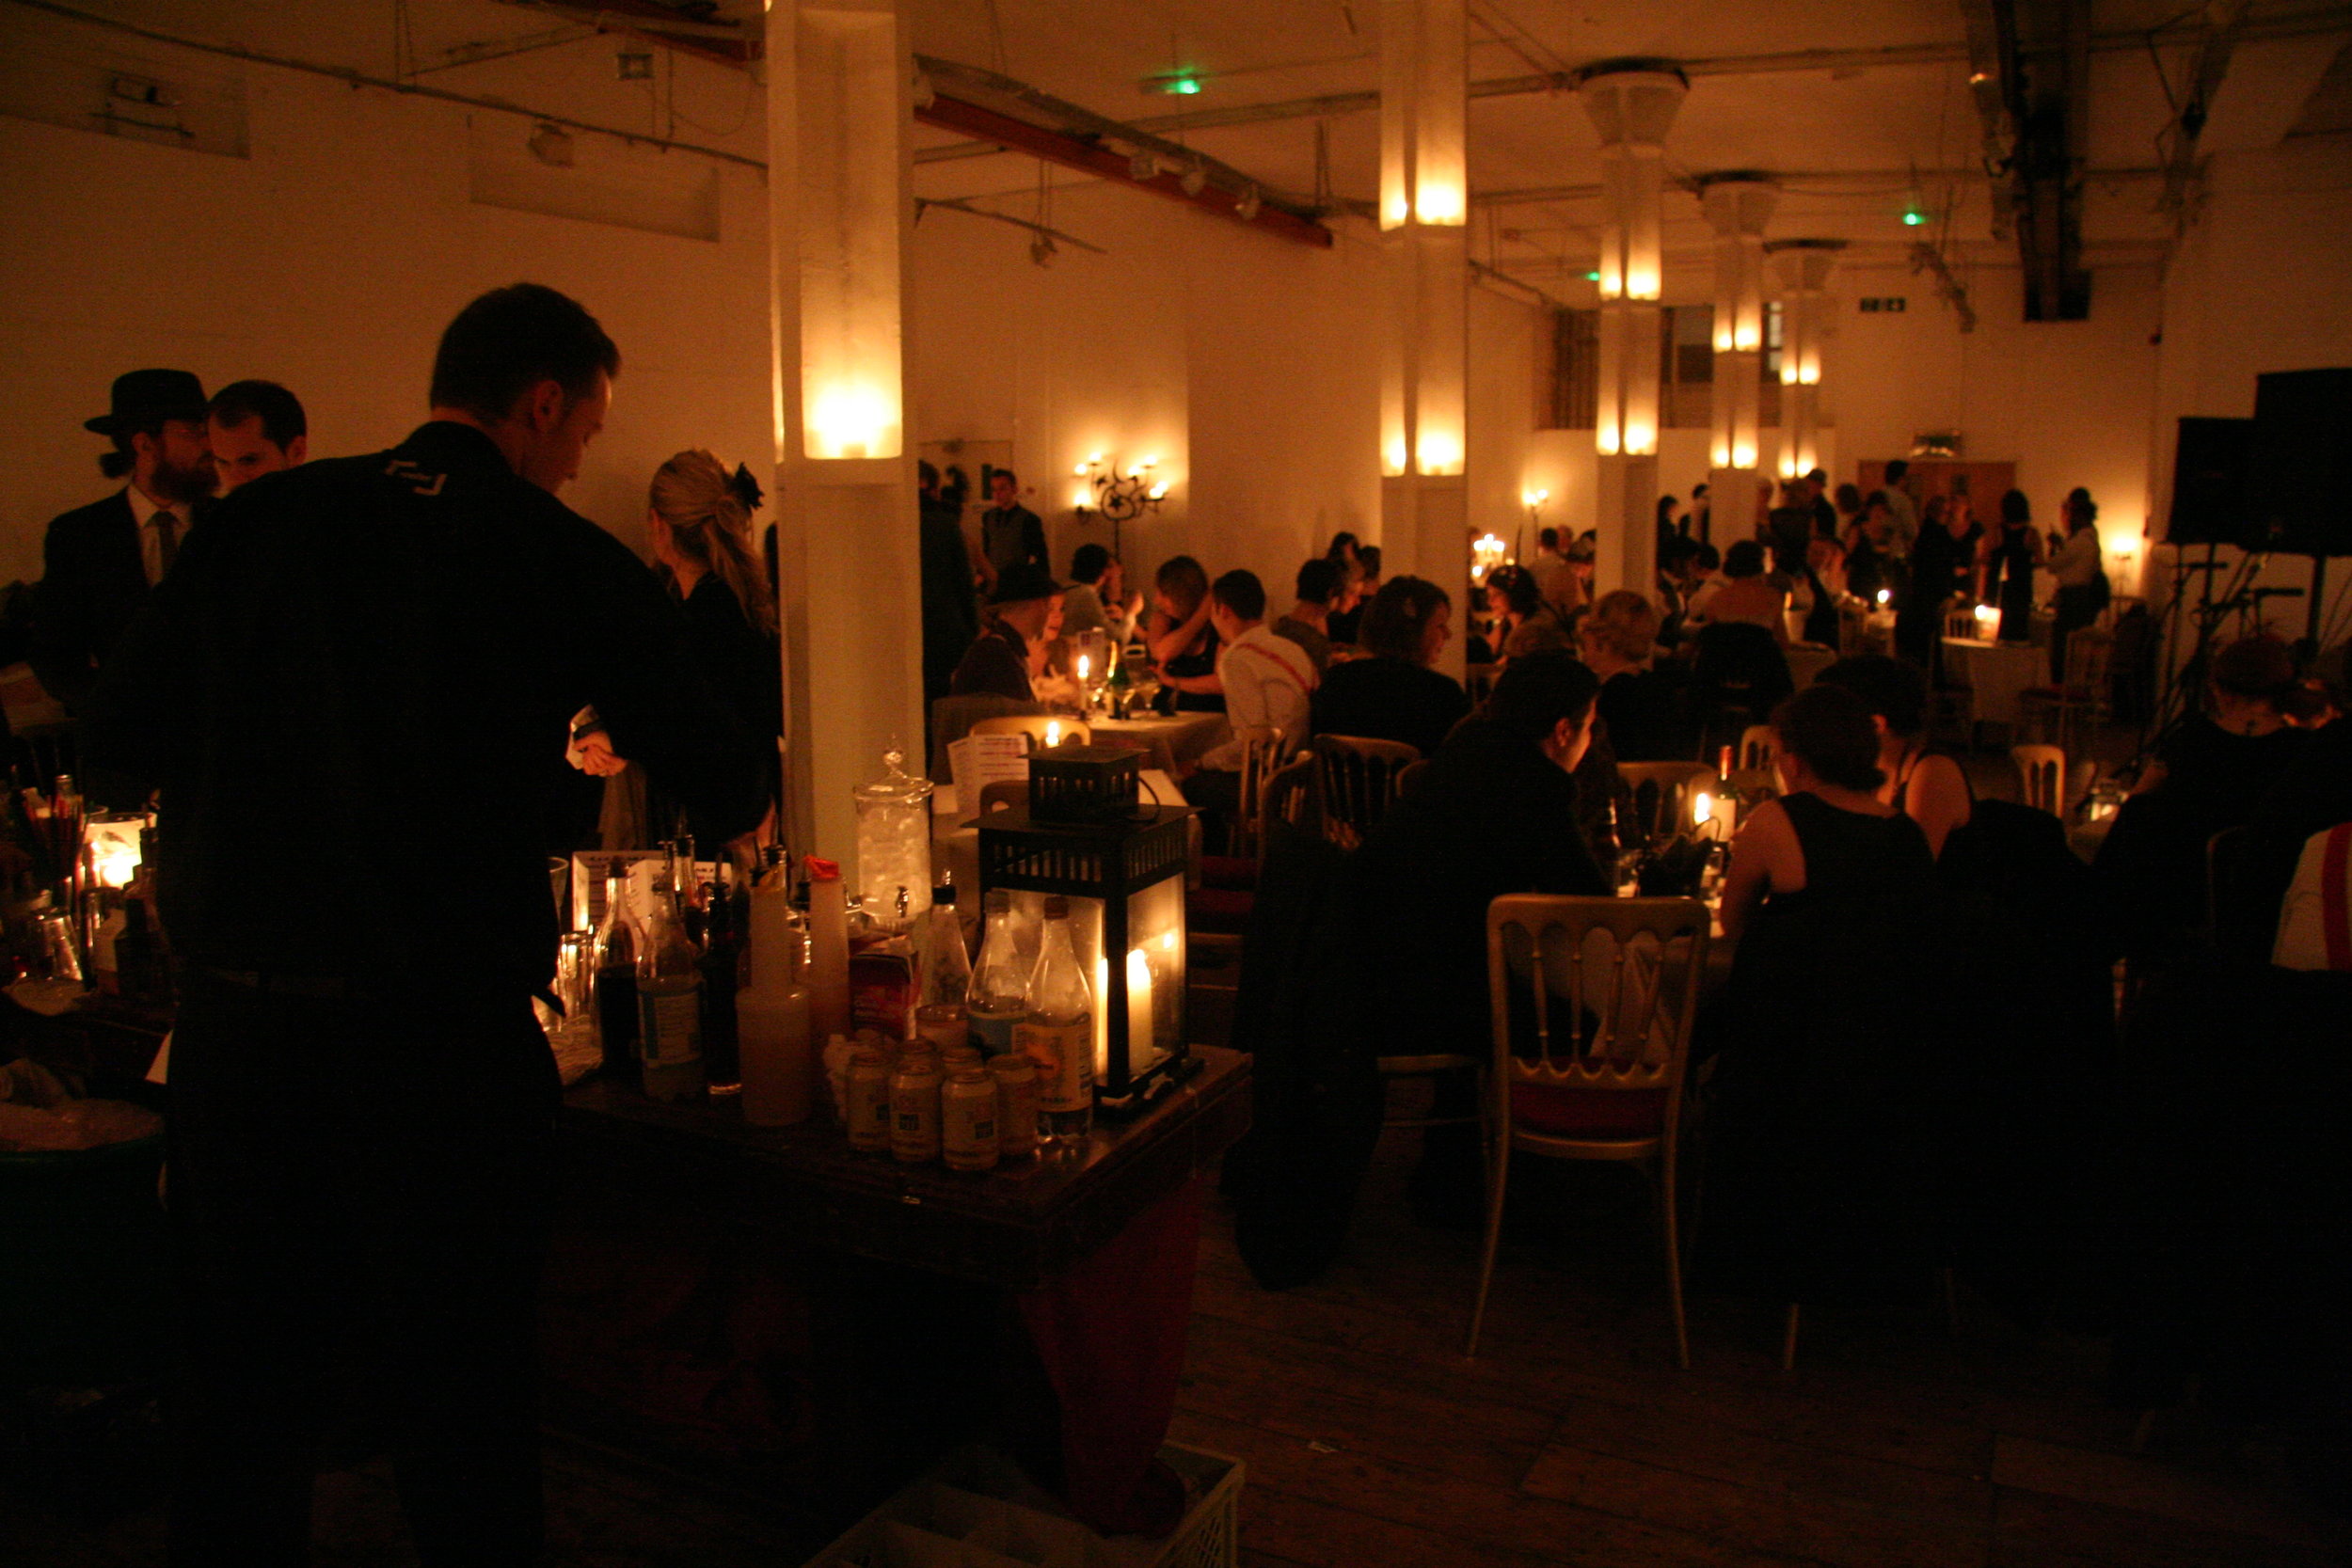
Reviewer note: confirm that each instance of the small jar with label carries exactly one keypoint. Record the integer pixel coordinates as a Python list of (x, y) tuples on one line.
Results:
[(865, 1105), (968, 1119), (957, 1057), (1015, 1078), (914, 1108)]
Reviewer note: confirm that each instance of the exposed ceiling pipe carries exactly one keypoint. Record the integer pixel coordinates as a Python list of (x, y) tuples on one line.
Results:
[(2223, 19), (1181, 185), (1074, 122)]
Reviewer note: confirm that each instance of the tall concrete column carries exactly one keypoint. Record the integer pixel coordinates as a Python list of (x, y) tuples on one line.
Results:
[(1803, 266), (840, 205), (1632, 103), (1424, 496), (1738, 206)]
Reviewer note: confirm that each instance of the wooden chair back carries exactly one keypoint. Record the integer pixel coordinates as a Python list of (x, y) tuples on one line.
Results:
[(1356, 781), (1261, 755), (2042, 774), (1631, 966), (1288, 798), (1960, 618), (1661, 792), (1758, 747), (1043, 729)]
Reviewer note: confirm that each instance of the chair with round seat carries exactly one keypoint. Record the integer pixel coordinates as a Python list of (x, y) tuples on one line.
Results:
[(2041, 774), (1043, 729), (1758, 749), (1631, 966)]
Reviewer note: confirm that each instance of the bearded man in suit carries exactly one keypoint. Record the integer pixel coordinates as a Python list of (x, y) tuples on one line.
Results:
[(102, 560)]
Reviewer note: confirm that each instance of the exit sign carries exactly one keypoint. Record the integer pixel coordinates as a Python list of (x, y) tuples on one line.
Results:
[(1892, 305)]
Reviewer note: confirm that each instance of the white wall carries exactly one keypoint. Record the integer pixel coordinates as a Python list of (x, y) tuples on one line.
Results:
[(330, 260)]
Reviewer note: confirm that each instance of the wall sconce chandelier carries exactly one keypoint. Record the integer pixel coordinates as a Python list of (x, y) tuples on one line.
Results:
[(1121, 498)]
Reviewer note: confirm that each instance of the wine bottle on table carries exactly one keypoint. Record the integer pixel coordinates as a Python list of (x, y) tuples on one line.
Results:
[(722, 969), (998, 997), (669, 1005), (615, 958), (1058, 1032)]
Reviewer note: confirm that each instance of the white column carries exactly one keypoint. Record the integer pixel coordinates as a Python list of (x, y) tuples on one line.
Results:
[(1803, 266), (1631, 106), (840, 205), (1425, 198), (1738, 206)]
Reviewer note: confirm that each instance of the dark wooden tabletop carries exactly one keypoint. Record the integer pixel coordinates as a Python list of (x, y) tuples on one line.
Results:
[(1016, 1225)]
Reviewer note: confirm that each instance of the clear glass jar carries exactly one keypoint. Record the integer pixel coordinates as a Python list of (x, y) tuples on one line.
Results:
[(893, 844)]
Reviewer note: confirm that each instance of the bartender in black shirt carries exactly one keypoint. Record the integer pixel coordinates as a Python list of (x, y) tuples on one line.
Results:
[(351, 697)]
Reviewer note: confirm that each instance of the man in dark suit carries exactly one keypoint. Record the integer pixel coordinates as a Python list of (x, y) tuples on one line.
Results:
[(102, 560)]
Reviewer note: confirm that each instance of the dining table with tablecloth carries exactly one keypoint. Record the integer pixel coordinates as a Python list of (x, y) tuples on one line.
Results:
[(1996, 676)]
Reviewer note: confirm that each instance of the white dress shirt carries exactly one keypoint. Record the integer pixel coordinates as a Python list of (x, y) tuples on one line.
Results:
[(1267, 678), (2077, 561), (144, 511)]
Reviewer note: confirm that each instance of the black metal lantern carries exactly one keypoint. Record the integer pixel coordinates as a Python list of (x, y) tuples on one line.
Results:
[(1125, 883)]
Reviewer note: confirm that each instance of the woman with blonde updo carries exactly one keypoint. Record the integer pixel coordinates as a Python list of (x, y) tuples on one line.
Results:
[(700, 522)]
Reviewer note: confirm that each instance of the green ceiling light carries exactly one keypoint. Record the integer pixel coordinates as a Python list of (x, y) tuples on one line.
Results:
[(1184, 84), (1592, 278), (1912, 217)]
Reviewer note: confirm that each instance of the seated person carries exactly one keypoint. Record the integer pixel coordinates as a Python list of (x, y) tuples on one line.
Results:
[(1322, 587), (1823, 1123), (1347, 623), (1181, 641), (1394, 695), (1642, 706), (1024, 615), (1523, 622), (1927, 786), (1096, 599), (1267, 679), (1494, 812), (2211, 773), (1745, 596), (1699, 569)]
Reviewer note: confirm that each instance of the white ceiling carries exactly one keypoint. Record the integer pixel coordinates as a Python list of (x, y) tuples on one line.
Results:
[(1855, 144)]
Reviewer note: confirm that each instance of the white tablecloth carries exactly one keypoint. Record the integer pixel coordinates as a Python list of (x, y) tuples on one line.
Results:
[(1172, 744), (1995, 673)]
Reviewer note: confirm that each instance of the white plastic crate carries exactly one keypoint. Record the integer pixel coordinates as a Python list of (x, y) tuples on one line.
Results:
[(975, 1510)]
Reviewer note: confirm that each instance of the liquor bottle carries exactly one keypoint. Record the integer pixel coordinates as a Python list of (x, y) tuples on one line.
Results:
[(777, 1046), (1058, 1032), (943, 975), (615, 958), (828, 949), (669, 1005), (998, 997), (721, 967), (1620, 861)]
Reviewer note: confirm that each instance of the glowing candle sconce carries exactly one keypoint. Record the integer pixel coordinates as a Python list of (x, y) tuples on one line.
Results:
[(1738, 206), (1425, 76), (1633, 103), (852, 371), (1804, 267)]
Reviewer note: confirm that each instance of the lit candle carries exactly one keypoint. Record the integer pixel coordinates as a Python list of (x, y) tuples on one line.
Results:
[(1139, 1009), (1885, 595), (1082, 668), (1702, 812), (1053, 734)]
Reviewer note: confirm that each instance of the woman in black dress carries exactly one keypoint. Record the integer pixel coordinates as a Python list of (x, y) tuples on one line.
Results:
[(1825, 1136), (1182, 640), (1394, 694), (2010, 555), (701, 527)]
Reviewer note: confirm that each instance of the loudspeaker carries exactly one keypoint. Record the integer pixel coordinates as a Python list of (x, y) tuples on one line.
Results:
[(2302, 474), (2209, 503)]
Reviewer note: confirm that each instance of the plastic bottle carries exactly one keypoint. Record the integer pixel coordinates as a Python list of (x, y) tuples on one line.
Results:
[(828, 949), (999, 995), (1058, 1032)]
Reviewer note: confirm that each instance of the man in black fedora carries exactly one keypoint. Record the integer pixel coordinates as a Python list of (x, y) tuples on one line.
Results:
[(1024, 610), (102, 560)]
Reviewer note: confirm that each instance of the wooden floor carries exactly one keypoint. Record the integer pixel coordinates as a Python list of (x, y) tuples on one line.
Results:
[(1371, 1443), (1573, 1438)]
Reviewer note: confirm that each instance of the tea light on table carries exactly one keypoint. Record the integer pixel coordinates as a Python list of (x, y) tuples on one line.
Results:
[(1053, 734), (1988, 619)]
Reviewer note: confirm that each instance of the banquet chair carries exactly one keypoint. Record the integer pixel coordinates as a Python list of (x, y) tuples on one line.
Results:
[(1632, 966), (1355, 780), (2076, 705), (1759, 746), (2041, 771), (1661, 792), (1261, 748), (1960, 617), (1004, 795), (953, 717), (1037, 727)]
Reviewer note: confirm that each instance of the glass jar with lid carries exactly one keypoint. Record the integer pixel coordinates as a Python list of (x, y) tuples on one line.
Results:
[(893, 844)]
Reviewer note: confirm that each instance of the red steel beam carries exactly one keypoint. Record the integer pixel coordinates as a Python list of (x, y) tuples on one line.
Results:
[(1057, 147)]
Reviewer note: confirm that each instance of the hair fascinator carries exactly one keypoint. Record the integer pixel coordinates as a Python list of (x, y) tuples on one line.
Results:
[(746, 488)]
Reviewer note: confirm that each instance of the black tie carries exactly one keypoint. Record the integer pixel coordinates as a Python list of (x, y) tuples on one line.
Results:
[(166, 544)]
